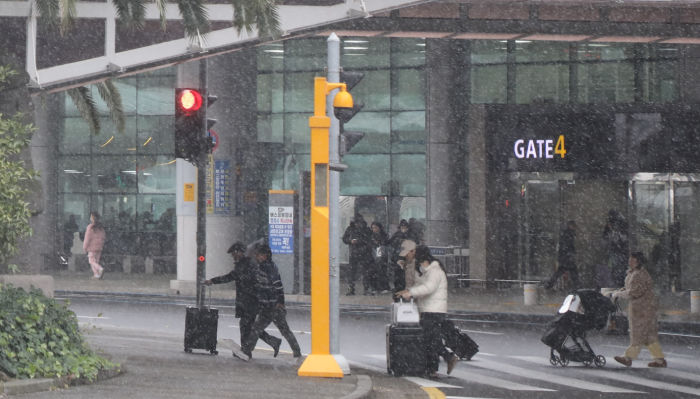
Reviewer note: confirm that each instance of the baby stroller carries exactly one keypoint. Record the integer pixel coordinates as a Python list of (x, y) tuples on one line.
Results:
[(581, 311)]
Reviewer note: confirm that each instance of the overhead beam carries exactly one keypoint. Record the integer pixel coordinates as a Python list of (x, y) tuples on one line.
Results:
[(293, 19)]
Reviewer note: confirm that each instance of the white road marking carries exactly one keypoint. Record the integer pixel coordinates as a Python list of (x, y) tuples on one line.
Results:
[(429, 383), (93, 317), (543, 376), (495, 382), (632, 379), (274, 329), (482, 332), (684, 375)]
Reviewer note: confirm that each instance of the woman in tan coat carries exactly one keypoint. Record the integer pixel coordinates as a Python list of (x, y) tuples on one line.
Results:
[(639, 291), (94, 242)]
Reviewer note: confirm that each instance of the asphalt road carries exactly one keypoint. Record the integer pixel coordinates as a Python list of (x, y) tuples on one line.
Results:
[(512, 362)]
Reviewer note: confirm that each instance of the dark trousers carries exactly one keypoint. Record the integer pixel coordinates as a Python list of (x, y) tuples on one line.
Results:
[(432, 339), (267, 315), (246, 326), (366, 267), (573, 274)]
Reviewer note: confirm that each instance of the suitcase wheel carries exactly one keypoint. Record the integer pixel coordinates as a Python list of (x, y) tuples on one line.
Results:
[(214, 352), (188, 350)]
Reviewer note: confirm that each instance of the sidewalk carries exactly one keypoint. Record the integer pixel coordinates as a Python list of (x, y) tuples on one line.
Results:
[(492, 304)]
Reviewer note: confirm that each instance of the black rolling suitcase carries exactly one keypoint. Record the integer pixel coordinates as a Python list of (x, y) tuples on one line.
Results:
[(201, 325), (405, 352), (457, 340)]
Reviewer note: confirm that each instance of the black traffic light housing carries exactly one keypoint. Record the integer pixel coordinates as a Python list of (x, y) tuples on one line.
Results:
[(191, 124), (349, 138)]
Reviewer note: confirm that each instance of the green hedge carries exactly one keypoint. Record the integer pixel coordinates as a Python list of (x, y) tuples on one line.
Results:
[(39, 337)]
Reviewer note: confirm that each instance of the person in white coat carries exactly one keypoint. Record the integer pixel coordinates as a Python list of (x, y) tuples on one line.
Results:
[(430, 291)]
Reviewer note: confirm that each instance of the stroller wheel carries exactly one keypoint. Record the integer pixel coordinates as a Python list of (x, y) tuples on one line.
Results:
[(564, 361), (599, 361), (554, 360), (588, 362)]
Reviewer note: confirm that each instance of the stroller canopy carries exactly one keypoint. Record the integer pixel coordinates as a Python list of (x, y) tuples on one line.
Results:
[(596, 306)]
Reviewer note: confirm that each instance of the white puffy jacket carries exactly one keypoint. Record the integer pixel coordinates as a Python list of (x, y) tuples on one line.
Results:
[(430, 289)]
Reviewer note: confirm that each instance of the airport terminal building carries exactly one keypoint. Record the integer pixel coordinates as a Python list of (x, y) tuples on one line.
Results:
[(492, 124)]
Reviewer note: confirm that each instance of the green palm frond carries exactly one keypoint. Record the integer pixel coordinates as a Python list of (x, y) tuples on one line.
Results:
[(110, 95), (86, 106), (194, 17), (48, 10), (131, 12), (261, 14), (161, 4), (67, 15)]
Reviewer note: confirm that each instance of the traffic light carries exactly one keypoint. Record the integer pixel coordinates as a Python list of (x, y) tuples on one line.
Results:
[(349, 138), (191, 124)]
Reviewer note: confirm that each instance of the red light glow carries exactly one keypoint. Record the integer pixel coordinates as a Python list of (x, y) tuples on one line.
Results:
[(190, 100)]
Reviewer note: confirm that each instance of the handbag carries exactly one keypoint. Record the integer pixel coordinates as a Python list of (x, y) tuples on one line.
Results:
[(404, 312), (617, 324)]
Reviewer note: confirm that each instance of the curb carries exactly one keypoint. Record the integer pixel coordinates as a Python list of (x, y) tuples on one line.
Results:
[(363, 388), (33, 385)]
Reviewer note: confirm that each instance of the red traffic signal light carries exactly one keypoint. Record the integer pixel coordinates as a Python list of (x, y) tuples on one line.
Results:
[(189, 101)]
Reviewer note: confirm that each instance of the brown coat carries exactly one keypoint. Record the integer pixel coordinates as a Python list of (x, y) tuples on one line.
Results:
[(641, 311)]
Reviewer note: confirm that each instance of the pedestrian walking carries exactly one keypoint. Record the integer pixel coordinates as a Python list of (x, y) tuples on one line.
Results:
[(271, 309), (245, 274), (358, 237), (566, 256), (641, 311), (430, 291), (93, 244), (395, 242)]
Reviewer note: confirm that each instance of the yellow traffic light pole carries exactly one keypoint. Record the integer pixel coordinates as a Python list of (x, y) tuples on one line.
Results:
[(320, 363)]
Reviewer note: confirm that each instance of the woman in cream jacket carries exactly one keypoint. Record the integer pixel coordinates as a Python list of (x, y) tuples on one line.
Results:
[(430, 291)]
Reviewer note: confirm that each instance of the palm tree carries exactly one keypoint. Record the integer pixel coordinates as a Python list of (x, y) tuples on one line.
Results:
[(260, 15)]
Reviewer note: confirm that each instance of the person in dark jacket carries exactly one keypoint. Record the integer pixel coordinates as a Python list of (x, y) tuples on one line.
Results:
[(245, 274), (566, 256), (270, 293), (395, 243), (615, 237), (359, 238), (380, 253)]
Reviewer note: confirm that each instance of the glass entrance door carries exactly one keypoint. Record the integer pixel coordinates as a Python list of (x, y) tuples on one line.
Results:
[(539, 228)]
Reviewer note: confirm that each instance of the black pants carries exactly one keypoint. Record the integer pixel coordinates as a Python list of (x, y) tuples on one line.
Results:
[(573, 274), (266, 316), (432, 339), (366, 267), (246, 326)]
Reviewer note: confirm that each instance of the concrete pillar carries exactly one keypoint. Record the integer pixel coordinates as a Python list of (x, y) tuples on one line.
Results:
[(445, 210), (478, 232)]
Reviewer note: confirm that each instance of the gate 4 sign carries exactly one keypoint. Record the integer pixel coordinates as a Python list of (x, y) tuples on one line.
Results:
[(539, 148), (281, 225)]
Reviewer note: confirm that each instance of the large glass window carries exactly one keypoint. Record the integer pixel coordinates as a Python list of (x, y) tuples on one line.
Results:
[(392, 91), (129, 176)]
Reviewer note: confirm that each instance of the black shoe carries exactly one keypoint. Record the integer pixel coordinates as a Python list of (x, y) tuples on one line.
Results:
[(276, 347), (297, 354), (350, 293)]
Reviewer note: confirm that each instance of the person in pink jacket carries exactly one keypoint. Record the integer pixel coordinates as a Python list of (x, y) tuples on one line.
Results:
[(94, 242)]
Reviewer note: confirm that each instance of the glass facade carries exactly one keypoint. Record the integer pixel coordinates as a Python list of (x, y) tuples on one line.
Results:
[(128, 177), (390, 160)]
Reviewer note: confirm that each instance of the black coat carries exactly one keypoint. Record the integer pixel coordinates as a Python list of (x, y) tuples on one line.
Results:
[(567, 249), (361, 251), (245, 274)]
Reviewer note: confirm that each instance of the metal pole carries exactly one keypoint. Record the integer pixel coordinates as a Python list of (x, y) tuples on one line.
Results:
[(201, 199), (334, 207)]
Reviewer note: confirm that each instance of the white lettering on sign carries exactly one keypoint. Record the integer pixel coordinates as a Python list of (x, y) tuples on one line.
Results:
[(538, 148)]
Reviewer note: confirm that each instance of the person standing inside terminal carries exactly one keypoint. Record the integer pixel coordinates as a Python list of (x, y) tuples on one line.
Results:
[(566, 258), (641, 310), (245, 274), (615, 237), (270, 293), (93, 244), (358, 237)]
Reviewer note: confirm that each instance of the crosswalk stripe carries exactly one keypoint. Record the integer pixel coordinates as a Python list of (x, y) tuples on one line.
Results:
[(626, 377), (496, 382), (423, 383), (684, 375), (537, 375)]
